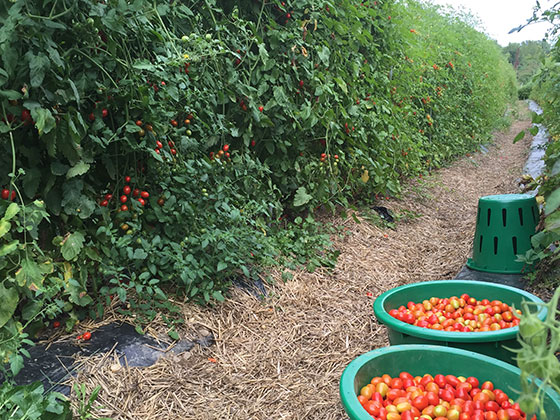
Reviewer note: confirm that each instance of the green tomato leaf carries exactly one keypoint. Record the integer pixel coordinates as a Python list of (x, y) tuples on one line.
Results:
[(10, 95), (79, 168), (552, 202), (72, 246), (44, 121), (38, 65), (10, 299), (11, 211), (301, 197), (9, 248), (4, 227), (552, 222)]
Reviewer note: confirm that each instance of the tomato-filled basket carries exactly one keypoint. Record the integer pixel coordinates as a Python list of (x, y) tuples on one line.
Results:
[(490, 343), (419, 360)]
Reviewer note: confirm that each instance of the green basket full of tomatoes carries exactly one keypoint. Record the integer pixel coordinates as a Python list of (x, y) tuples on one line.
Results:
[(477, 316), (407, 382)]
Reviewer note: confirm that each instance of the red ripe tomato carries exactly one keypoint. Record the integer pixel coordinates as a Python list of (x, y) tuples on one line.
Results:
[(408, 318), (362, 400), (464, 416), (226, 147), (407, 383), (376, 396), (452, 380), (432, 387), (503, 415), (127, 179), (446, 395), (440, 380), (159, 144), (108, 196), (123, 198), (104, 112), (56, 324), (104, 203), (86, 336), (421, 402), (135, 192), (468, 407), (144, 194), (490, 415), (5, 194), (396, 383), (393, 313), (91, 117), (462, 393), (487, 385), (142, 201), (124, 207), (473, 381), (174, 152), (433, 398), (426, 379), (492, 406), (481, 396), (126, 189), (393, 394), (372, 407), (513, 414), (477, 416), (407, 415)]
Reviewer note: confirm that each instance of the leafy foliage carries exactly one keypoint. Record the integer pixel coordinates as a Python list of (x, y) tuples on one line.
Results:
[(540, 340)]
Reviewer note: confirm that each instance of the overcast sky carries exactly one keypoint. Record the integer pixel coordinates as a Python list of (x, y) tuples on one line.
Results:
[(500, 16)]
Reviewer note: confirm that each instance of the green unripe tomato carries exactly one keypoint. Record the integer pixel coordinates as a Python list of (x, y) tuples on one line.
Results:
[(208, 37), (184, 38)]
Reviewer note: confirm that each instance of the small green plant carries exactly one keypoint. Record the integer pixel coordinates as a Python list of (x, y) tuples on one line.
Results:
[(85, 402), (29, 402), (537, 359)]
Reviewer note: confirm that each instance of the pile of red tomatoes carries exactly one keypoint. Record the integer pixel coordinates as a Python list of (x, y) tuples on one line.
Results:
[(439, 397), (458, 314)]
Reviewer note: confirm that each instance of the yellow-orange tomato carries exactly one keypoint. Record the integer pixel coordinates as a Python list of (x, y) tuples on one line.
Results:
[(367, 391)]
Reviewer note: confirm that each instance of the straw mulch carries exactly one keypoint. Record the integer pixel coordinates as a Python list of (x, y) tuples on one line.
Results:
[(282, 357)]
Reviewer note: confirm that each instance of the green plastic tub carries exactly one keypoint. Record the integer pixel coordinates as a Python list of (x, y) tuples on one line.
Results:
[(504, 226), (491, 343), (421, 359)]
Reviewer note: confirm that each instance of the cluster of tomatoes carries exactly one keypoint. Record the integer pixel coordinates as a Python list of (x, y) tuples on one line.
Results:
[(458, 314), (439, 397), (140, 196), (7, 195), (324, 157), (222, 154)]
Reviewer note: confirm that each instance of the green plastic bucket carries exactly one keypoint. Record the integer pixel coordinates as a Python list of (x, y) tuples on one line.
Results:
[(490, 343), (504, 226), (421, 359)]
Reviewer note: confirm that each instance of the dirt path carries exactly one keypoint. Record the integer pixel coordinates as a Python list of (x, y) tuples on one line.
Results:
[(282, 357)]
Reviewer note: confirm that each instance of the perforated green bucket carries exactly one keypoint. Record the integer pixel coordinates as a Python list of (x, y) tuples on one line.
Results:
[(504, 226)]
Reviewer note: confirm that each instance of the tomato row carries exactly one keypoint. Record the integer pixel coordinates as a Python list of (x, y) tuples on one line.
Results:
[(439, 397), (458, 314)]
